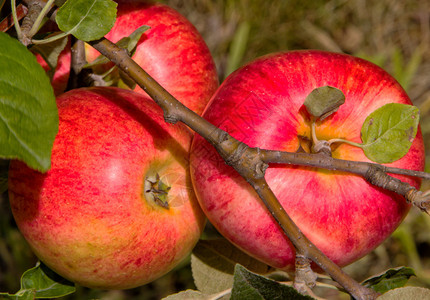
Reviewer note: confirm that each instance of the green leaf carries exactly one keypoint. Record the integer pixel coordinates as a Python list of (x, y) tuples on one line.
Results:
[(324, 101), (406, 293), (250, 286), (388, 132), (59, 3), (41, 282), (390, 279), (213, 263), (87, 20), (129, 43), (46, 283), (28, 111), (190, 295)]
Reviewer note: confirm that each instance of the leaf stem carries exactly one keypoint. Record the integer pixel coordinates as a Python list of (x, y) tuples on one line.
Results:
[(50, 39), (15, 20), (332, 141)]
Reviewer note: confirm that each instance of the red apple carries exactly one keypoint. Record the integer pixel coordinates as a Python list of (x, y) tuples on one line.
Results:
[(261, 104), (62, 71), (101, 217), (172, 51)]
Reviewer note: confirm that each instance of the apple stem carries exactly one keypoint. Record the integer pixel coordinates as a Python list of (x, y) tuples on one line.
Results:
[(313, 131), (324, 146), (318, 146)]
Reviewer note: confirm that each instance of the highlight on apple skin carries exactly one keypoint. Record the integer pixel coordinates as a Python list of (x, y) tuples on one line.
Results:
[(261, 104), (117, 209)]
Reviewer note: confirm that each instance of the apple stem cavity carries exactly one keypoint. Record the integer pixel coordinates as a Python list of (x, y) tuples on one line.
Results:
[(157, 191)]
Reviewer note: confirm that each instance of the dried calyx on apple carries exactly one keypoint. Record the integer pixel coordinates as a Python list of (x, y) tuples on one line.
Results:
[(387, 133), (156, 191)]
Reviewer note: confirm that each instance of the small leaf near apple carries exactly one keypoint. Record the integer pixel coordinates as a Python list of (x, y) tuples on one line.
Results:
[(324, 101), (128, 42), (390, 279), (389, 131)]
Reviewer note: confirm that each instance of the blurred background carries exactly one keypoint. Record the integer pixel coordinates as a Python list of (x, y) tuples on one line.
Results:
[(392, 34)]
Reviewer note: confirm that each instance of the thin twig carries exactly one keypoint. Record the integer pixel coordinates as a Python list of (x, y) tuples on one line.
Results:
[(374, 173), (329, 163)]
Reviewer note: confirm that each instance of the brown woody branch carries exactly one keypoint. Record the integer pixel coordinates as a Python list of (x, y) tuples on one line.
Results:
[(34, 10)]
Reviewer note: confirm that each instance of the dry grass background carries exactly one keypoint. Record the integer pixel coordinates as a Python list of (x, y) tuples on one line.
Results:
[(393, 34)]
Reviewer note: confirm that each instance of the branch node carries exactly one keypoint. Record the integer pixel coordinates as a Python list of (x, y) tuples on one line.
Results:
[(304, 278), (376, 176), (246, 160), (260, 166), (419, 199), (236, 156), (171, 118), (322, 147)]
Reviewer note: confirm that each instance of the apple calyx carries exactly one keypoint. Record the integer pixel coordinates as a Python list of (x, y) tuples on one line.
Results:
[(157, 191)]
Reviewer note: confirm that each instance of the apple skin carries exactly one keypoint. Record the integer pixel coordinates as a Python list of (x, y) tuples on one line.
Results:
[(88, 218), (261, 104), (172, 51)]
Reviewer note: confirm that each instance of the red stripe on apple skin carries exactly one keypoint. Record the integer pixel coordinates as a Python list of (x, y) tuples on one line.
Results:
[(342, 214), (86, 218), (171, 51)]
